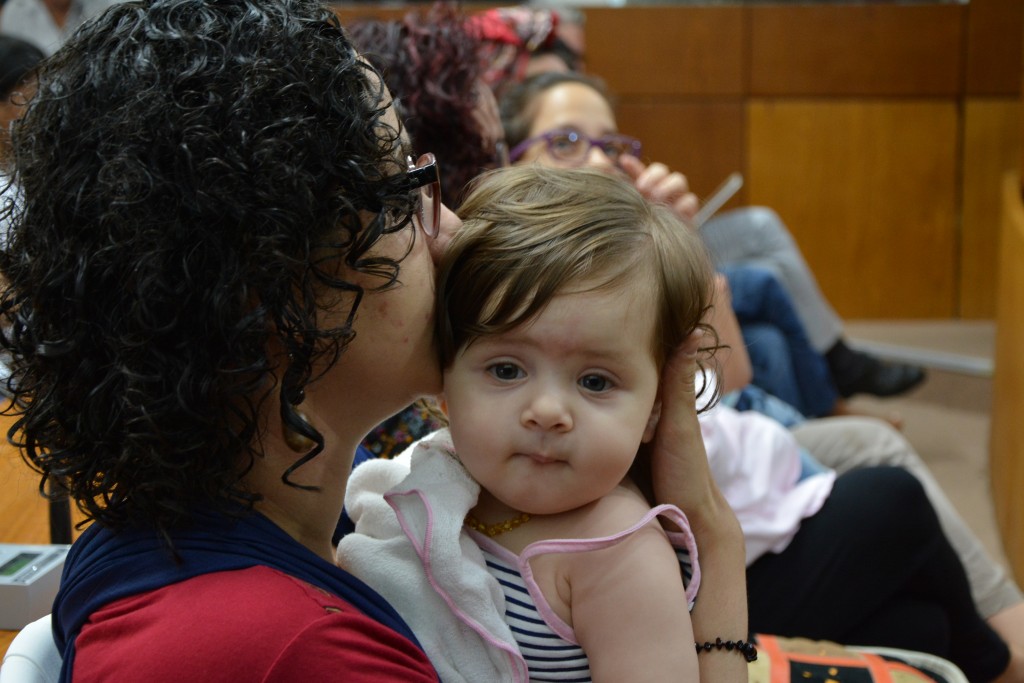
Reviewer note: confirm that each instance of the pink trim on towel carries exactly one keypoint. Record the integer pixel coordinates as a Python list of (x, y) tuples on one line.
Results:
[(423, 550)]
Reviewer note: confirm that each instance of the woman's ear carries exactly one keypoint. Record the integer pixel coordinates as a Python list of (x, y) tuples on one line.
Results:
[(652, 423)]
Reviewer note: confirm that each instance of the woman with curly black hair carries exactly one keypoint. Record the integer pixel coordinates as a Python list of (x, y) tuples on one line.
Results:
[(220, 279), (214, 195)]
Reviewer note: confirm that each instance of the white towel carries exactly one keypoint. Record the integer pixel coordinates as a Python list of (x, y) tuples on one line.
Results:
[(410, 546)]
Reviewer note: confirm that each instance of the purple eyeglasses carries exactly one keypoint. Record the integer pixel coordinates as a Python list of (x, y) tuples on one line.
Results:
[(572, 146)]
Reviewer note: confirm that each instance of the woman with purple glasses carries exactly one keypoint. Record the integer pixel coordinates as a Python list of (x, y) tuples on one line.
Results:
[(570, 125), (565, 119)]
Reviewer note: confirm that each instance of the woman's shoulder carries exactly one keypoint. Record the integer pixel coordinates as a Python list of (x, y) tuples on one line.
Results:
[(249, 624)]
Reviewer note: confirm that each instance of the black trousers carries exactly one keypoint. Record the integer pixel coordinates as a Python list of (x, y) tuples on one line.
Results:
[(873, 567)]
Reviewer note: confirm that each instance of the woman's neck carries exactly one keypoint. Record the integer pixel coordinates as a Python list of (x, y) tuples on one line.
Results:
[(299, 525), (309, 516)]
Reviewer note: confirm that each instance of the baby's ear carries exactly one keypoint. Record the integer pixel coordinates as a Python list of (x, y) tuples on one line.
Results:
[(652, 422)]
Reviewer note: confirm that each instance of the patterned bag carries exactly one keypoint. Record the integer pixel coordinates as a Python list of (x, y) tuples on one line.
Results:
[(798, 660)]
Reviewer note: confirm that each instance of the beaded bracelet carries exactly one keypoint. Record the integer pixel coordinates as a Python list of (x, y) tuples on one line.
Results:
[(745, 648)]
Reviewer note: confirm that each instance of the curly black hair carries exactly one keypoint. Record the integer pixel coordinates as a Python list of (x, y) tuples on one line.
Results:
[(195, 178), (432, 64)]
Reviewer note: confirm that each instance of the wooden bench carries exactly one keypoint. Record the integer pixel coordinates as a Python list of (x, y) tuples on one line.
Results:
[(1007, 436)]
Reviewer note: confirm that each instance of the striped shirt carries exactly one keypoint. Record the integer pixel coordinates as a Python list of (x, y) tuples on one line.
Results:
[(548, 656), (547, 643)]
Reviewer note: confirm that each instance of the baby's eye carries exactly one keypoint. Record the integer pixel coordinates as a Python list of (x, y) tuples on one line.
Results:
[(506, 372), (595, 383)]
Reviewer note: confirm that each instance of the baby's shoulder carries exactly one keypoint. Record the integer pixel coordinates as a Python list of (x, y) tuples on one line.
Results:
[(619, 510)]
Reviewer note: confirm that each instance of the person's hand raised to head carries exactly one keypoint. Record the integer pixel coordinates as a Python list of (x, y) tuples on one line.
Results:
[(660, 184), (679, 464)]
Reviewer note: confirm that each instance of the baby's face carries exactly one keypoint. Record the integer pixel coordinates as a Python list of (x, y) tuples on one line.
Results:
[(549, 416)]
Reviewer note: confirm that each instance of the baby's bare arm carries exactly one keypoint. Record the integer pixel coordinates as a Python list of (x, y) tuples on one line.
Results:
[(629, 610)]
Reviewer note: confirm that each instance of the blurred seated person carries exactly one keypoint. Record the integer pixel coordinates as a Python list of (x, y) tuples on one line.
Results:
[(48, 23), (566, 119)]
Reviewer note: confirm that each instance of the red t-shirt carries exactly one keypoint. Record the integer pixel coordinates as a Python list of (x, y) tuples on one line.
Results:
[(254, 624)]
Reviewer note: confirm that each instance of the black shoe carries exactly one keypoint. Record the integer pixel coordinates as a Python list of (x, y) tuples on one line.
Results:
[(880, 378), (856, 372)]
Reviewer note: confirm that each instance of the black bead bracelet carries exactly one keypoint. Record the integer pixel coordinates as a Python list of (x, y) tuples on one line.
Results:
[(744, 647)]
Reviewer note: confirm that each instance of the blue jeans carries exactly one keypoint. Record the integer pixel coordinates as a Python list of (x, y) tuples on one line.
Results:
[(756, 236), (784, 362)]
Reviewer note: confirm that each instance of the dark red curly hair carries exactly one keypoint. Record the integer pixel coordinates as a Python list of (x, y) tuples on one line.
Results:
[(432, 64)]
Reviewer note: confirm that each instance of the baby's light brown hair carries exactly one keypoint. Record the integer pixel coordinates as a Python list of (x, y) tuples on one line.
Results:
[(530, 233)]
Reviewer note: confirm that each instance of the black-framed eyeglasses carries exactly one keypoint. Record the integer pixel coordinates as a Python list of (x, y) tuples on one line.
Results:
[(572, 146), (424, 175)]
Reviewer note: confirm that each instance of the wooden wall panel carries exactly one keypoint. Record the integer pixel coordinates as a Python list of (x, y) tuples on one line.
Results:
[(702, 140), (5, 640), (347, 12), (992, 146), (1020, 80), (994, 43), (24, 513), (862, 50), (1006, 452), (869, 191), (667, 50)]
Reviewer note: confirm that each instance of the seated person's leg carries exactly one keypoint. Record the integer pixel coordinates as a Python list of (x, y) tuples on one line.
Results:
[(848, 443), (876, 540), (757, 236), (753, 397), (759, 299), (771, 362)]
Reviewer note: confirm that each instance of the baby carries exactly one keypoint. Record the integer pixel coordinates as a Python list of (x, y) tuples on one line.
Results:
[(559, 302)]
